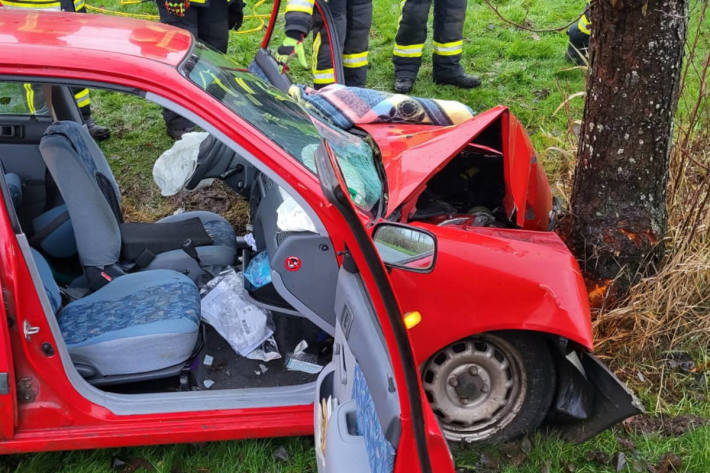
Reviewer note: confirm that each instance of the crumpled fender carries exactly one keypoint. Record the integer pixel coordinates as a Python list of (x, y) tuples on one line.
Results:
[(487, 279)]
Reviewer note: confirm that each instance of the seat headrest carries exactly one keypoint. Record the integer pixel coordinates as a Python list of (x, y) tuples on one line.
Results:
[(14, 185)]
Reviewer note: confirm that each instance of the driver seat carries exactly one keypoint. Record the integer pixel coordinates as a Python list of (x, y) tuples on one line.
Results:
[(197, 244)]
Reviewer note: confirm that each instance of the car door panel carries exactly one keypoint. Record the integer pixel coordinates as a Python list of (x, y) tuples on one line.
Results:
[(357, 409)]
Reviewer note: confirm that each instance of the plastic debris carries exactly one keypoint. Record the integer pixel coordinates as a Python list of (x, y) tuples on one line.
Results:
[(225, 306), (251, 241), (208, 383), (207, 360), (299, 360), (258, 272), (267, 351)]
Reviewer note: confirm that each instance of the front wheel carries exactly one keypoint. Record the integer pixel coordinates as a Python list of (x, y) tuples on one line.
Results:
[(491, 387)]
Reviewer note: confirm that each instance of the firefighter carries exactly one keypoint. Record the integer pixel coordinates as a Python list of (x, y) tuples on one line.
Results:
[(352, 18), (81, 94), (579, 34), (449, 16), (210, 22)]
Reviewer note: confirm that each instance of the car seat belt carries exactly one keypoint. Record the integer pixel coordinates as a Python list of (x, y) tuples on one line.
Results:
[(39, 236)]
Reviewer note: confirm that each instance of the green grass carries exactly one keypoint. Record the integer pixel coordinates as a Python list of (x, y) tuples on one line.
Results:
[(527, 72)]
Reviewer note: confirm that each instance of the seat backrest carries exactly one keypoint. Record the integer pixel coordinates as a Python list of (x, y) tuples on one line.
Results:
[(89, 190), (14, 185), (50, 285)]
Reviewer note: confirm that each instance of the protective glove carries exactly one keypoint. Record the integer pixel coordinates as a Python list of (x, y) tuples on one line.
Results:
[(177, 7), (289, 48)]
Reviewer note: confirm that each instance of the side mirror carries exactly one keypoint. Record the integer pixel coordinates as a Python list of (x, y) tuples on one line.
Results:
[(405, 247)]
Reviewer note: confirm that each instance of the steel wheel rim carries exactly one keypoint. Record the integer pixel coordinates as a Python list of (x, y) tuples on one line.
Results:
[(476, 387)]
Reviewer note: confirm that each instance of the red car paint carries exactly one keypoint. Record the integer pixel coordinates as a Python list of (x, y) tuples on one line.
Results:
[(506, 282)]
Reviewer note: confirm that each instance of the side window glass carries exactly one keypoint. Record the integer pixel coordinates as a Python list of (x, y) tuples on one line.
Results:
[(18, 98)]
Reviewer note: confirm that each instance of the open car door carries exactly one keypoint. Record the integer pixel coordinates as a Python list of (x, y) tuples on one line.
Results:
[(369, 413)]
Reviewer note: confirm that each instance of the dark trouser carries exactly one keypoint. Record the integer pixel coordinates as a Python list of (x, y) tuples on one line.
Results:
[(210, 25), (353, 19), (449, 16)]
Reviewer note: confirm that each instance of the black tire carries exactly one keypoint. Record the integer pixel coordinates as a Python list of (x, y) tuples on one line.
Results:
[(518, 396)]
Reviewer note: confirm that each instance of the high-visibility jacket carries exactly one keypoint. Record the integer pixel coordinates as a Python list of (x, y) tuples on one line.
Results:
[(449, 16), (353, 19), (57, 5), (579, 34)]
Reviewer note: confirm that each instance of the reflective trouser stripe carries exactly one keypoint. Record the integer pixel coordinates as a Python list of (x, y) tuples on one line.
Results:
[(410, 50), (583, 25), (82, 98), (355, 60), (303, 6), (79, 4), (448, 49), (320, 76), (324, 76), (30, 98)]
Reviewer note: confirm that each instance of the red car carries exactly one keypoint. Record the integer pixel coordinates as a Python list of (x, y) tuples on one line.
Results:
[(103, 346)]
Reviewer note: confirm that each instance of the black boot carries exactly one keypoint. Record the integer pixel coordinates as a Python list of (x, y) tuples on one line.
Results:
[(465, 81), (97, 132), (403, 85)]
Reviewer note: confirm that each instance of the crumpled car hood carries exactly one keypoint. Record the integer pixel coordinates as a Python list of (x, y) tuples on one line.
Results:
[(411, 154)]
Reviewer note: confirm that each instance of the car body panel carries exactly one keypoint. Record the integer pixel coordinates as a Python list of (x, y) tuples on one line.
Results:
[(502, 279)]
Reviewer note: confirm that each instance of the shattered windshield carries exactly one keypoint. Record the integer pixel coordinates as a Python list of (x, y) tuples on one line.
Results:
[(282, 120)]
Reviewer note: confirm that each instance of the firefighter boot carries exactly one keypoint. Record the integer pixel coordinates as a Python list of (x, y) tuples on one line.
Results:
[(403, 85), (463, 80), (97, 132)]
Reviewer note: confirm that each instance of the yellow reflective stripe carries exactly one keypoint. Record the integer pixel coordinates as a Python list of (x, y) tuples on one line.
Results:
[(583, 25), (30, 98), (408, 50), (448, 49), (314, 56), (323, 76), (82, 98), (39, 6), (79, 4), (303, 6), (199, 1), (355, 60)]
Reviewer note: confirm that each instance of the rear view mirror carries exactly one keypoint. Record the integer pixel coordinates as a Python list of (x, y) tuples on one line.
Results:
[(405, 247)]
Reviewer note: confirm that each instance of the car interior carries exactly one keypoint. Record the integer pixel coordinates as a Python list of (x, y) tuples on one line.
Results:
[(102, 274), (124, 299)]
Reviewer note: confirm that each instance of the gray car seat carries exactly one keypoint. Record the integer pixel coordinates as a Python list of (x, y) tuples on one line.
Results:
[(140, 326), (191, 242)]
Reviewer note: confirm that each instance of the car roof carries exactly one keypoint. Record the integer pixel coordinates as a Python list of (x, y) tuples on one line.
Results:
[(43, 38)]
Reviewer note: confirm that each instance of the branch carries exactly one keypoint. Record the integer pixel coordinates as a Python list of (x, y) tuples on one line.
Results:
[(527, 28)]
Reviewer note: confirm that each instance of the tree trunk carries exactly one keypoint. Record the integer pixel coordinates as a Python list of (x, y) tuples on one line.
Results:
[(618, 209)]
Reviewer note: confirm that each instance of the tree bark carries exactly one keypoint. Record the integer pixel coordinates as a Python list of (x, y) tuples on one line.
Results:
[(618, 210)]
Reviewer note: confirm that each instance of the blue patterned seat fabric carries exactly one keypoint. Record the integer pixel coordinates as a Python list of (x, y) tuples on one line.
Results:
[(137, 323), (380, 452)]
